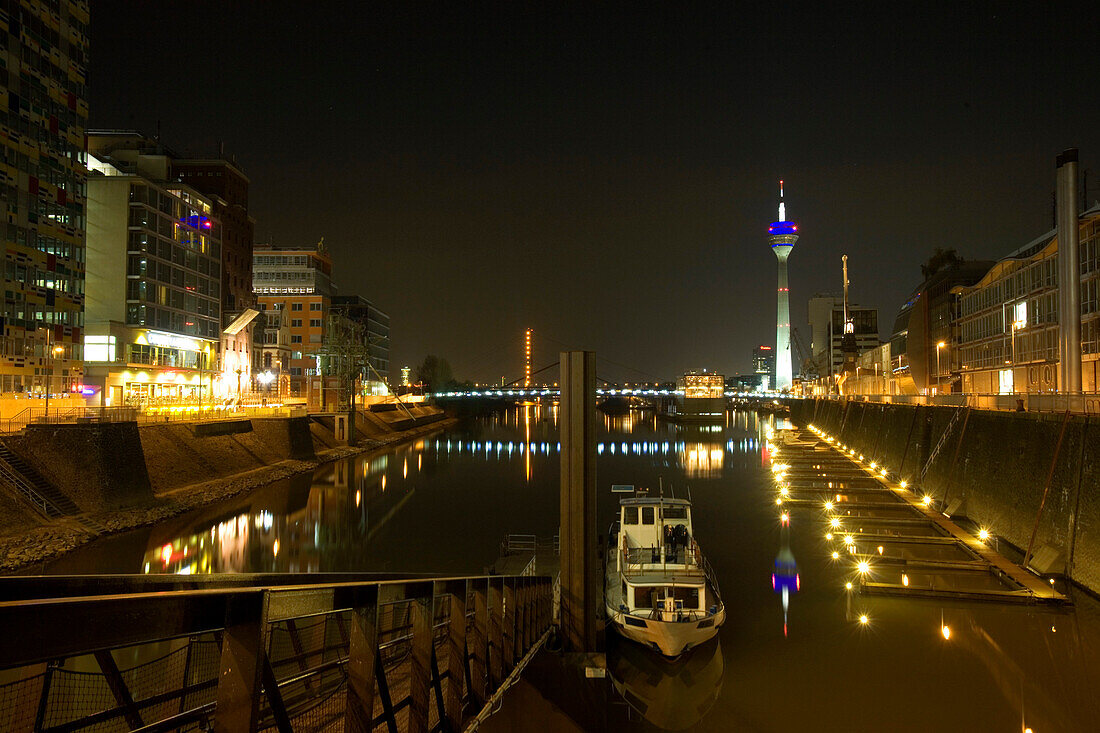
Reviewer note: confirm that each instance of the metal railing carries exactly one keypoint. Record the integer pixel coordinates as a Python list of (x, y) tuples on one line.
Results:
[(1082, 403), (36, 415), (640, 560), (247, 653)]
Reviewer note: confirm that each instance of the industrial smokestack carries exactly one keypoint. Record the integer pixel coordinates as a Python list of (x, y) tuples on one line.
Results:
[(1069, 275)]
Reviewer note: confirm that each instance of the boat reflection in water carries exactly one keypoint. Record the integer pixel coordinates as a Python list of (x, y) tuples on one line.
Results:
[(785, 580), (672, 695)]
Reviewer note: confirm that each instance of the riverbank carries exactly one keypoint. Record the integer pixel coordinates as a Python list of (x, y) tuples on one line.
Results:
[(31, 545)]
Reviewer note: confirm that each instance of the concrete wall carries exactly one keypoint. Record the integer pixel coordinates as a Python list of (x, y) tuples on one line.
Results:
[(97, 465), (992, 468), (178, 454)]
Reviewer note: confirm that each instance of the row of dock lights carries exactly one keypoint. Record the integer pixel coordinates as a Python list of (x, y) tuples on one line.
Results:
[(883, 473)]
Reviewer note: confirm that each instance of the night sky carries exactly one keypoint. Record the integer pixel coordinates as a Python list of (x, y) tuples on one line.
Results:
[(606, 176)]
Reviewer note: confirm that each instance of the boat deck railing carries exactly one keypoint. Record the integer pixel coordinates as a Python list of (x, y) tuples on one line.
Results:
[(636, 561)]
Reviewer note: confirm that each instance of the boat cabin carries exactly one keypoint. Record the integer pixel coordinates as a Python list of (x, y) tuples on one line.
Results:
[(658, 559)]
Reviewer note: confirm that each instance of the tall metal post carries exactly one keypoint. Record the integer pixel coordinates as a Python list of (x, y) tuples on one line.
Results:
[(580, 591), (1069, 275)]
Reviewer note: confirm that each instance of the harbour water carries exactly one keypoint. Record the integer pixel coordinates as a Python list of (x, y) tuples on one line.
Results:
[(794, 660)]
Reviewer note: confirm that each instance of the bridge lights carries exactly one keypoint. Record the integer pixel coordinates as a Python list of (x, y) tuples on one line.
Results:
[(983, 534), (927, 500)]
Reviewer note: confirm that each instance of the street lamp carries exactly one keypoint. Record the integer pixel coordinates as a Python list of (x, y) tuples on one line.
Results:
[(54, 353), (939, 374)]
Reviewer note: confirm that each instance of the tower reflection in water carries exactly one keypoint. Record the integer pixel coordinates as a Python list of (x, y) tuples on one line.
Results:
[(785, 580), (671, 695)]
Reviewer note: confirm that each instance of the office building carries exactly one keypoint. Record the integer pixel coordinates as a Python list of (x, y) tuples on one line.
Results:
[(299, 280), (763, 362), (826, 314), (376, 329), (241, 340), (43, 112), (154, 279), (1009, 323)]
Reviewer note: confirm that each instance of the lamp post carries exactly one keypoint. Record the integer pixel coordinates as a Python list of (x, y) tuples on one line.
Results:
[(939, 374), (54, 353)]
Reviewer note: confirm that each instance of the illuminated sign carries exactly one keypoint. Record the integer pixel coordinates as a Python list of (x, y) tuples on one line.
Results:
[(197, 222), (158, 338)]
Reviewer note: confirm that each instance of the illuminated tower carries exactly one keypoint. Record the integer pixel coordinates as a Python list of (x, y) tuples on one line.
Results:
[(527, 361), (782, 235)]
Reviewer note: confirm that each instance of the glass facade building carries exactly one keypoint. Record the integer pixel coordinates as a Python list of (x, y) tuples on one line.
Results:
[(43, 112)]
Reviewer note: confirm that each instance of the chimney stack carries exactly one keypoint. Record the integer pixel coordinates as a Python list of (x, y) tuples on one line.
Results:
[(1069, 274)]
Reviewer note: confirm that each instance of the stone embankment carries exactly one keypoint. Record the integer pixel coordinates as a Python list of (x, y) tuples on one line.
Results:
[(124, 477), (1033, 480)]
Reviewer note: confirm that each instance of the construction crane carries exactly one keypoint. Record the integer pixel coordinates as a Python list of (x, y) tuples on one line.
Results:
[(810, 369)]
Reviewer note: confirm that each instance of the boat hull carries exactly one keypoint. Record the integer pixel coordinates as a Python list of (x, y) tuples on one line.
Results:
[(670, 638)]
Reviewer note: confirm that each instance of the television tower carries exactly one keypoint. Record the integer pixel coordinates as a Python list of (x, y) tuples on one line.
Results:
[(782, 235)]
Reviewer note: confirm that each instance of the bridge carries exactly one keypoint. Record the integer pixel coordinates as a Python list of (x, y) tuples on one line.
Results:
[(601, 392)]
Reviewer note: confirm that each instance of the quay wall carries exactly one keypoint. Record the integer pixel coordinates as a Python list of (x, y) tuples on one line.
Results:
[(991, 467), (96, 465)]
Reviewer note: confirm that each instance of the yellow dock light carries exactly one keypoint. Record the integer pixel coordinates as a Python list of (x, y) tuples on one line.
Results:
[(880, 549), (863, 567), (863, 619), (903, 484), (927, 500), (829, 535), (848, 585), (905, 580), (946, 631), (834, 522), (983, 534), (836, 555), (828, 505)]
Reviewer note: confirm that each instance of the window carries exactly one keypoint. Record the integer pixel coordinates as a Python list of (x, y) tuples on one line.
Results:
[(675, 512), (296, 306), (314, 322), (315, 306), (295, 322), (647, 515), (643, 596), (630, 515), (295, 339)]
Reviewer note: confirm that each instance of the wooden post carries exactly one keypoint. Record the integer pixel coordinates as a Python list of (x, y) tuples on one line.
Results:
[(508, 626), (420, 680), (579, 584), (456, 649), (244, 646), (496, 612), (363, 641), (479, 642)]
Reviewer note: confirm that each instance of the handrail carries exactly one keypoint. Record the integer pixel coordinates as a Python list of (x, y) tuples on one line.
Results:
[(341, 623), (24, 487)]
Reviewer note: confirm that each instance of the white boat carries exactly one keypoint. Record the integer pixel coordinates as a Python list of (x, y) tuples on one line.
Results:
[(659, 590)]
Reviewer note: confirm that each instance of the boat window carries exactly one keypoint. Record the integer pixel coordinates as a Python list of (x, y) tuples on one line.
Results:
[(647, 515), (630, 515), (689, 595), (643, 596), (675, 512)]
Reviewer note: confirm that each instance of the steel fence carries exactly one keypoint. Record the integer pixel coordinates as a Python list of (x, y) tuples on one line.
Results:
[(418, 655)]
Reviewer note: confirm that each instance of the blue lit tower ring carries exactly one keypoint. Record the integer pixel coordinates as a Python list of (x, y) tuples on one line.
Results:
[(782, 236)]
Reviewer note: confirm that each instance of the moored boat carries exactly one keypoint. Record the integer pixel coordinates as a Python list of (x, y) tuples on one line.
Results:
[(659, 590)]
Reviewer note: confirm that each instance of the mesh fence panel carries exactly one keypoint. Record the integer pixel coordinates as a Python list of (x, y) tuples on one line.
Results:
[(19, 703)]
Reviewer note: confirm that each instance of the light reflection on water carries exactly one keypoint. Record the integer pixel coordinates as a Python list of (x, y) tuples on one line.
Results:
[(444, 503)]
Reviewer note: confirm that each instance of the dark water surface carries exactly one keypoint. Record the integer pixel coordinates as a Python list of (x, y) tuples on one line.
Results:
[(444, 503)]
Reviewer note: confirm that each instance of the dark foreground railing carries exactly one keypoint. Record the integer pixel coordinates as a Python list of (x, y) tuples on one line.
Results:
[(248, 653)]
